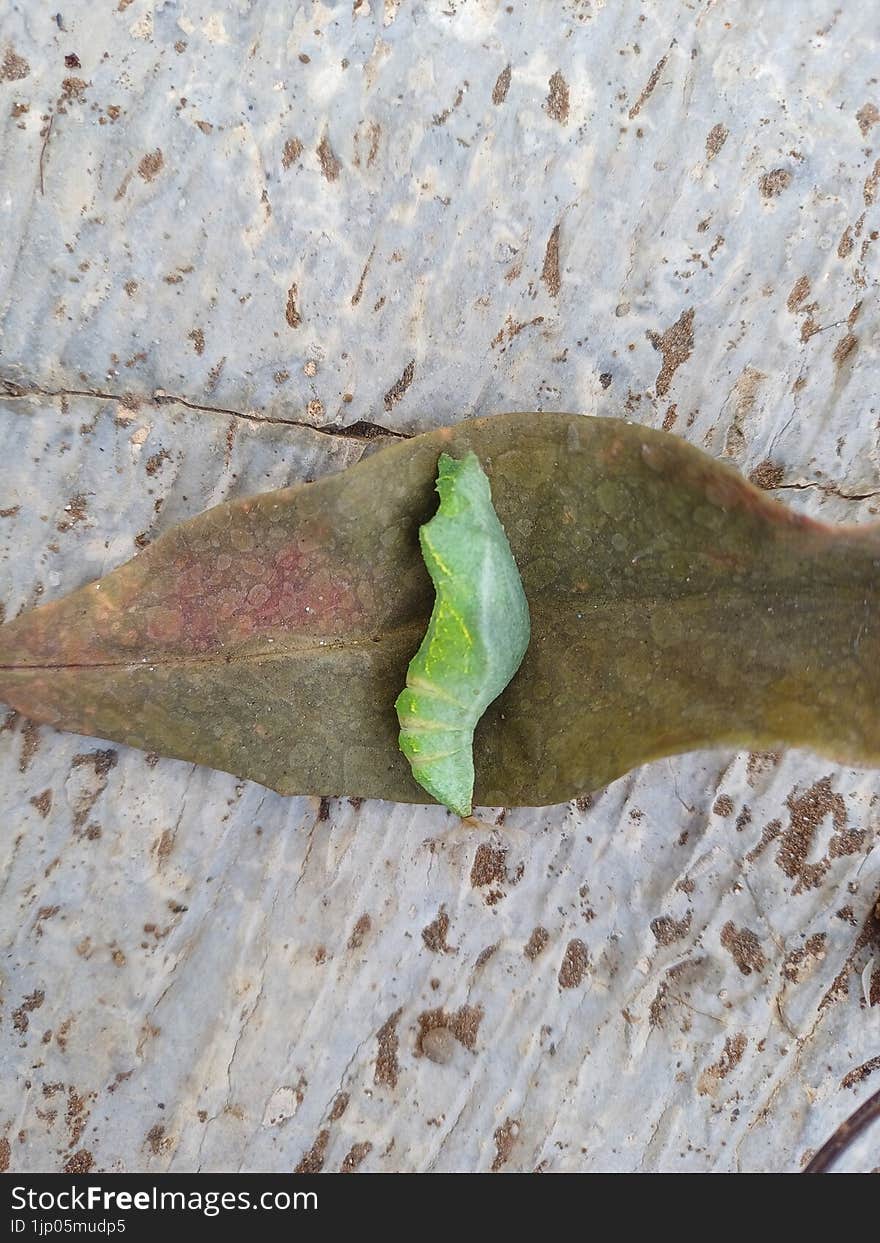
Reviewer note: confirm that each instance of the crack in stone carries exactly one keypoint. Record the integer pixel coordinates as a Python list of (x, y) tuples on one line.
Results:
[(360, 430)]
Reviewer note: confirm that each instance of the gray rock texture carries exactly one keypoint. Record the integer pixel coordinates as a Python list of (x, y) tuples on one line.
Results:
[(234, 237)]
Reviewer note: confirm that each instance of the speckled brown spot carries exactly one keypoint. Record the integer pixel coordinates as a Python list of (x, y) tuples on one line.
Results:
[(387, 1068), (339, 1106), (666, 930), (550, 271), (20, 1020), (723, 805), (557, 101), (156, 1139), (434, 934), (76, 1114), (767, 475), (847, 345), (715, 140), (505, 1137), (151, 165), (79, 1163), (850, 1080), (359, 932), (773, 183), (648, 88), (293, 149), (536, 943), (355, 1155), (676, 345), (463, 1024), (734, 1048), (30, 745), (798, 963), (197, 336), (502, 86), (744, 947), (807, 811), (397, 390), (14, 67), (43, 802), (313, 1161), (574, 964), (800, 290), (330, 165), (156, 460), (292, 313), (489, 866), (867, 116), (5, 1154)]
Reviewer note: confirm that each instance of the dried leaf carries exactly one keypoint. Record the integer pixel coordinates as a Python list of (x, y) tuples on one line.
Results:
[(673, 606)]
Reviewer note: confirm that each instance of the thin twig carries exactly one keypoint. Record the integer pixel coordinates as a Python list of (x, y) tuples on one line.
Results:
[(845, 1134)]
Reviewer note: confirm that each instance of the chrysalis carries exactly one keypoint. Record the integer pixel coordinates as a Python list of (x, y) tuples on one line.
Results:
[(476, 638)]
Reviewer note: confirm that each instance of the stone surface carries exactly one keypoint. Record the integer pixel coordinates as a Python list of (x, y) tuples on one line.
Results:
[(290, 220)]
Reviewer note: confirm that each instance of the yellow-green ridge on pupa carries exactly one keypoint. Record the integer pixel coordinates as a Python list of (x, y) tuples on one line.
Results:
[(476, 638)]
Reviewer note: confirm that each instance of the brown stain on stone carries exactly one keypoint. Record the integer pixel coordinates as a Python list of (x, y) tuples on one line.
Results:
[(489, 866), (197, 336), (723, 806), (800, 290), (550, 271), (869, 935), (339, 1107), (846, 346), (745, 394), (867, 116), (463, 1025), (744, 947), (850, 1080), (293, 149), (648, 88), (715, 140), (43, 802), (667, 930), (676, 345), (387, 1067), (505, 1137), (359, 932), (312, 1161), (5, 1154), (846, 243), (806, 813), (355, 1155), (151, 165), (734, 1048), (30, 745), (502, 86), (399, 387), (292, 313), (767, 475), (33, 1001), (574, 964), (557, 102), (359, 292), (798, 963), (772, 184), (330, 165), (434, 934), (13, 67), (536, 943), (80, 1162)]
